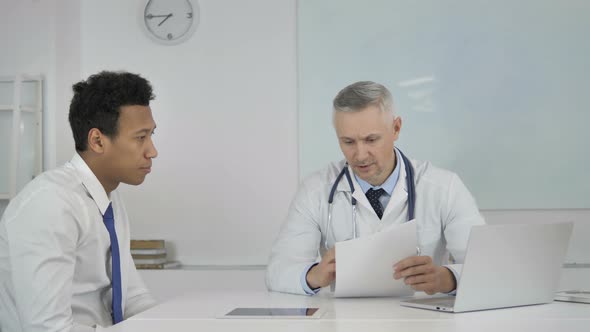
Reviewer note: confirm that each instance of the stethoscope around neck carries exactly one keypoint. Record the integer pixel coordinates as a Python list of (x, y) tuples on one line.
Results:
[(411, 196)]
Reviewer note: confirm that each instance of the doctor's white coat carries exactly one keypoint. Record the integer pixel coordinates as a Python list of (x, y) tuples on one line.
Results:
[(445, 212)]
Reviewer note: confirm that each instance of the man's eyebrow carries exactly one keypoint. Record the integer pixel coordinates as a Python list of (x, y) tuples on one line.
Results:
[(144, 130), (373, 135)]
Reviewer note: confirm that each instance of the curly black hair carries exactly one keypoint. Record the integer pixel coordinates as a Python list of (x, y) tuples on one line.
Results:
[(97, 102)]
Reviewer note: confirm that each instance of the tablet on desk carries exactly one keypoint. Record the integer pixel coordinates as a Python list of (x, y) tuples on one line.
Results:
[(264, 313)]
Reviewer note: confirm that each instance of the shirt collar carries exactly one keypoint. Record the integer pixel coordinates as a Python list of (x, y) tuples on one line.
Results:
[(389, 184), (93, 186)]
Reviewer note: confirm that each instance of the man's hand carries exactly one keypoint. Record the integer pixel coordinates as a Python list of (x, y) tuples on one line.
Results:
[(422, 275), (324, 273)]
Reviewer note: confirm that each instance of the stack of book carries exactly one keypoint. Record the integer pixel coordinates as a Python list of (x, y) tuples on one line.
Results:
[(151, 254)]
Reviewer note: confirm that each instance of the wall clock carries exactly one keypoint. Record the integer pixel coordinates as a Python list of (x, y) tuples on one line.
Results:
[(170, 22)]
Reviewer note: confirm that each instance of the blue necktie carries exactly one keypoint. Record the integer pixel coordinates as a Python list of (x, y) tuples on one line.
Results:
[(109, 222)]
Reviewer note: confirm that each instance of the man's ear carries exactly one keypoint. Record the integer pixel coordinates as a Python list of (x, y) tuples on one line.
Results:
[(397, 127), (96, 140)]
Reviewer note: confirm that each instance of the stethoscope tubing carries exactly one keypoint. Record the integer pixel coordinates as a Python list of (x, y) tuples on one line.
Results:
[(344, 172)]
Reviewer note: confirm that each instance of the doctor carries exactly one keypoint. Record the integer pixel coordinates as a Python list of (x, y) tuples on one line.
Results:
[(374, 187)]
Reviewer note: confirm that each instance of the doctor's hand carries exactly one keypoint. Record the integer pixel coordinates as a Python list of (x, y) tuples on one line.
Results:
[(323, 273), (422, 275)]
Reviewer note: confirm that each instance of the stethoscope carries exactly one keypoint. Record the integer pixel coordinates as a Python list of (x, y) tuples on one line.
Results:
[(344, 172)]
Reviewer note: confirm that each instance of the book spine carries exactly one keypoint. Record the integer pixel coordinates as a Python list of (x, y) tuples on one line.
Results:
[(148, 244)]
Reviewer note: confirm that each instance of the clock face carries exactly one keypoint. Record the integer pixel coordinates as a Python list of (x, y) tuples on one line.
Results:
[(170, 21)]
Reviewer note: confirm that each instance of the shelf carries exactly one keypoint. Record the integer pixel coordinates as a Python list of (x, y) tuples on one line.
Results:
[(25, 78), (30, 109), (575, 265), (21, 126)]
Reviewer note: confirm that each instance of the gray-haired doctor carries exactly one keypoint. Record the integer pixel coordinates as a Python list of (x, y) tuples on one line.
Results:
[(388, 188)]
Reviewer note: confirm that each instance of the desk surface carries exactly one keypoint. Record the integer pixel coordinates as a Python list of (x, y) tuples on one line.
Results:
[(352, 326), (198, 311)]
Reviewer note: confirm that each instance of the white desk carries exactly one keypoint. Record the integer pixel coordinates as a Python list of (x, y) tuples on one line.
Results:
[(197, 311), (355, 326)]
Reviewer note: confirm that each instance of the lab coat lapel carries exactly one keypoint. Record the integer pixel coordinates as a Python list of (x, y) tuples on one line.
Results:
[(358, 194), (399, 196)]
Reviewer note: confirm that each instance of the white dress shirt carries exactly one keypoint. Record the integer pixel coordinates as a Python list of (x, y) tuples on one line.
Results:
[(55, 261), (445, 211)]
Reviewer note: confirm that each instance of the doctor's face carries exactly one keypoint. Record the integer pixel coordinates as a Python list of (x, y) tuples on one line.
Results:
[(366, 139)]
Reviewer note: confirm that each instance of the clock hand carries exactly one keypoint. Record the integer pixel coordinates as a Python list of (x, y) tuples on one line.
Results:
[(150, 16), (164, 20)]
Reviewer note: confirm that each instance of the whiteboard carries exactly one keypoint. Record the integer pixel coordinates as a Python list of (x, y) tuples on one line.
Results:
[(496, 91)]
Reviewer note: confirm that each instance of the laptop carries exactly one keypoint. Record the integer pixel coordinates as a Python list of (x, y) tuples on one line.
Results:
[(506, 266)]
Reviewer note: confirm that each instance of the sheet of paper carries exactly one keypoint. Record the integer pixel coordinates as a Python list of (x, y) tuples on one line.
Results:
[(364, 266)]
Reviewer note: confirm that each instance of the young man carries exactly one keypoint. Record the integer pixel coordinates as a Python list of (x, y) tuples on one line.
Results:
[(65, 261), (381, 180)]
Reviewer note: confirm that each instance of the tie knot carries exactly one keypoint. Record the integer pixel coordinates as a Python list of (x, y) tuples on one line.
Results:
[(375, 194), (108, 213)]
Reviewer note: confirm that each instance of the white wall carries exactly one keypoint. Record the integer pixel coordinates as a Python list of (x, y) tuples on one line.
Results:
[(67, 72), (225, 109), (579, 248)]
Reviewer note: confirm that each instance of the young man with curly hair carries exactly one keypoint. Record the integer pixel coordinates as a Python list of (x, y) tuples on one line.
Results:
[(65, 261)]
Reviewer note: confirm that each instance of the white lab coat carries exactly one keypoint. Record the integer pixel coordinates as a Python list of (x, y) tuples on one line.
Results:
[(445, 212)]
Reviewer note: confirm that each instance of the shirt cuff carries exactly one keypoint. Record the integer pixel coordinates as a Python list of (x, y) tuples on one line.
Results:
[(456, 270), (304, 284)]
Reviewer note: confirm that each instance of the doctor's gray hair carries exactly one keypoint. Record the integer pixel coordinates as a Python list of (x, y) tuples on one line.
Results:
[(360, 95)]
